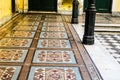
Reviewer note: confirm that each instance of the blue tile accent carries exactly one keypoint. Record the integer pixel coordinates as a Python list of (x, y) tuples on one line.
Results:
[(46, 42), (53, 35), (36, 59), (75, 69)]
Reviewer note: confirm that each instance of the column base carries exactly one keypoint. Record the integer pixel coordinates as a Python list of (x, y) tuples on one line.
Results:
[(74, 21), (88, 40)]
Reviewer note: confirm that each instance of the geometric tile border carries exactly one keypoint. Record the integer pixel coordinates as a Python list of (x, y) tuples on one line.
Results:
[(12, 55), (54, 73), (53, 35), (54, 56), (15, 42), (9, 72), (53, 43)]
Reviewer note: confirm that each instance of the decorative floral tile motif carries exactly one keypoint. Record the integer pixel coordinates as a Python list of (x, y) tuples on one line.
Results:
[(28, 28), (53, 35), (12, 55), (53, 29), (53, 24), (27, 23), (54, 73), (51, 43), (15, 42), (14, 33), (53, 56), (9, 72)]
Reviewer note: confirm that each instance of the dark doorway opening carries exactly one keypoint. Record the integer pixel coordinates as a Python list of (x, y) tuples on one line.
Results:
[(42, 5), (13, 6)]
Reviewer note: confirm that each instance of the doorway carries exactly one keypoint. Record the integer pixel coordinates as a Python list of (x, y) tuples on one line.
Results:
[(42, 5), (102, 6)]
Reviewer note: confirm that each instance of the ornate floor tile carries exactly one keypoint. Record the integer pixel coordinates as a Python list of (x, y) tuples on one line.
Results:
[(53, 16), (53, 29), (53, 35), (27, 34), (53, 24), (54, 73), (9, 72), (51, 43), (53, 56), (15, 42), (32, 23), (12, 55), (28, 28), (31, 18), (53, 19)]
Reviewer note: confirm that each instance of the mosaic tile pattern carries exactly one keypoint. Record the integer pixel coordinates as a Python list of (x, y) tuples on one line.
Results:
[(12, 55), (53, 29), (54, 73), (112, 44), (31, 17), (53, 24), (53, 56), (9, 72), (21, 34), (53, 16), (51, 43), (15, 42), (59, 19), (53, 35), (28, 23), (25, 28)]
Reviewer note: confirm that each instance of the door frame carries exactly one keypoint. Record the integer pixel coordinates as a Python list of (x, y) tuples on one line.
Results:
[(13, 6)]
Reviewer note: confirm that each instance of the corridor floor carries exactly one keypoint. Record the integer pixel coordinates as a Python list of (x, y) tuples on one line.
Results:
[(44, 47)]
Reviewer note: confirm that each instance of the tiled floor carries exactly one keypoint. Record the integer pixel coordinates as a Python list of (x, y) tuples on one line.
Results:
[(42, 47), (111, 42), (54, 73), (54, 56), (9, 72)]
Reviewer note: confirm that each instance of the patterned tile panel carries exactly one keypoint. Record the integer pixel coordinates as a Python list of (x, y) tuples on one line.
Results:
[(112, 44), (51, 43), (53, 56), (12, 55), (54, 19), (26, 34), (9, 72), (15, 42), (53, 24), (53, 16), (25, 28), (53, 29), (53, 35), (28, 23), (54, 73)]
